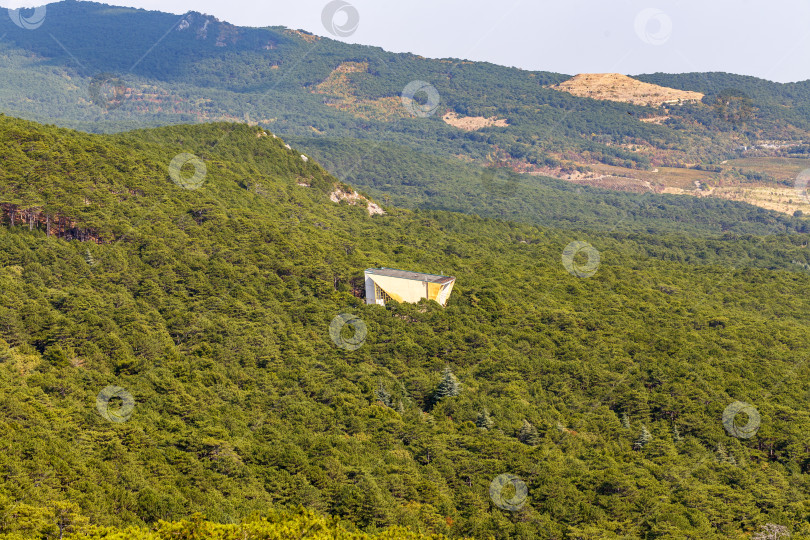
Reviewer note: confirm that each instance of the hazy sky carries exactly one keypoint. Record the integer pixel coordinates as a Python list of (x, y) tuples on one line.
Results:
[(769, 39)]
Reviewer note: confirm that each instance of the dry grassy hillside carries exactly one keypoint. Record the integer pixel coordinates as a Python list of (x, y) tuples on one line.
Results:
[(618, 87)]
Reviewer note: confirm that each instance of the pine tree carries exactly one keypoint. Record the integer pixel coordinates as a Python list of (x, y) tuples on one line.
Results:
[(643, 439), (721, 454), (383, 395), (676, 434), (448, 387), (625, 421), (528, 434), (484, 420), (68, 517)]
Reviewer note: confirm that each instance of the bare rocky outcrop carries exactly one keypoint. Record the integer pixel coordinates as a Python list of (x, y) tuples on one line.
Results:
[(353, 198), (12, 215)]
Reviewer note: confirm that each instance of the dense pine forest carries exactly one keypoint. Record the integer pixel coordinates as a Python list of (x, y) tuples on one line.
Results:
[(167, 368)]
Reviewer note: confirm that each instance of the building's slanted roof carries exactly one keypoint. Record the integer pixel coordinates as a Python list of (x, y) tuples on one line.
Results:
[(407, 274)]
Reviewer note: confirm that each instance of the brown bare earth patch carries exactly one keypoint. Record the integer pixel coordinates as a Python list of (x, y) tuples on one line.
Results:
[(386, 109), (306, 36), (655, 119), (780, 192), (779, 199), (776, 192), (473, 123), (782, 169), (338, 83), (339, 93), (615, 182), (618, 87)]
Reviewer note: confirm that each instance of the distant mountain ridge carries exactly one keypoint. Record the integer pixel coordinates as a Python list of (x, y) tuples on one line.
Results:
[(106, 69)]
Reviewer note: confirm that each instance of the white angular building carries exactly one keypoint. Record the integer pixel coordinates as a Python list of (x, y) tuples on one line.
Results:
[(384, 284)]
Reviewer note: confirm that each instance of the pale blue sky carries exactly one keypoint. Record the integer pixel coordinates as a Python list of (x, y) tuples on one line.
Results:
[(769, 39)]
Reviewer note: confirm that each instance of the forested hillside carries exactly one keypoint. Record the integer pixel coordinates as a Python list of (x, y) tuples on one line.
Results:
[(410, 179), (99, 68), (166, 359)]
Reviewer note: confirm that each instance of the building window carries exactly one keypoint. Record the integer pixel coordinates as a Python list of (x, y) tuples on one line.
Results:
[(380, 294)]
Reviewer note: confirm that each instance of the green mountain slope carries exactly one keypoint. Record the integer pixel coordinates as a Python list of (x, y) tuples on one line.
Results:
[(103, 69), (211, 307), (410, 179)]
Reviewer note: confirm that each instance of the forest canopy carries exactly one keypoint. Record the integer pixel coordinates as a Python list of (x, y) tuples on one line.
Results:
[(166, 361)]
